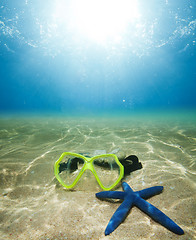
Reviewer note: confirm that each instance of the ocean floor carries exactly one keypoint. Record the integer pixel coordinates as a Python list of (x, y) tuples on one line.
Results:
[(33, 205)]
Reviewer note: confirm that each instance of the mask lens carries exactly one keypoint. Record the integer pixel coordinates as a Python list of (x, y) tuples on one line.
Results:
[(107, 170), (69, 168)]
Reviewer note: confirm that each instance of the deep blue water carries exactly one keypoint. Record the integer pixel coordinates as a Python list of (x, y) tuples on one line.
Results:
[(45, 66)]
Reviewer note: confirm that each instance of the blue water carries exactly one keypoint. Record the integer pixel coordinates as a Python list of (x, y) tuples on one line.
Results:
[(90, 76), (45, 66)]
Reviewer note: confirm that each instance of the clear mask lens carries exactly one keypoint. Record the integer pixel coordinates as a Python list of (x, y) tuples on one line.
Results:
[(69, 168), (107, 170)]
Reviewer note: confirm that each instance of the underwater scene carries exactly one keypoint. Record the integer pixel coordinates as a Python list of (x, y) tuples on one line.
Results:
[(97, 119)]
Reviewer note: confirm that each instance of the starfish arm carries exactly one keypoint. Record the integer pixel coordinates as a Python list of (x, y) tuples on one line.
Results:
[(149, 192), (158, 216), (126, 187), (119, 216), (111, 194)]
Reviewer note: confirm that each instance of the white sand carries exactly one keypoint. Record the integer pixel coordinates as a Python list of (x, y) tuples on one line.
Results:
[(34, 206)]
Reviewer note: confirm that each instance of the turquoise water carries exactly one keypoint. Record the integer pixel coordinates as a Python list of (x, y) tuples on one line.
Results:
[(35, 206), (112, 76), (50, 63)]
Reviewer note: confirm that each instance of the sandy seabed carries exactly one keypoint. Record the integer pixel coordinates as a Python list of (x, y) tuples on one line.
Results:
[(33, 205)]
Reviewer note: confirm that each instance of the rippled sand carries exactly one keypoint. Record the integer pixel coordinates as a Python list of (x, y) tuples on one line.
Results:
[(34, 206)]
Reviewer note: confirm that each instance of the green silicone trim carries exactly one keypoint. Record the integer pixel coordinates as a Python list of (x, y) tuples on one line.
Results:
[(88, 165)]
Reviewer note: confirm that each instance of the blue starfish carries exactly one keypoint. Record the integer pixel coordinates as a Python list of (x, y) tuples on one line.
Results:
[(131, 198)]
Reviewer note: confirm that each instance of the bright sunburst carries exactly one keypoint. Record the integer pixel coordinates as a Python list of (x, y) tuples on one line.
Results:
[(99, 20)]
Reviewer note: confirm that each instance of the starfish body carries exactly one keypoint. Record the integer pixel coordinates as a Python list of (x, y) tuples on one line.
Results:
[(130, 199)]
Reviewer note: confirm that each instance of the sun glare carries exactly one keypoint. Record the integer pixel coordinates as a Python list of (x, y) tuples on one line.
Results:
[(100, 20)]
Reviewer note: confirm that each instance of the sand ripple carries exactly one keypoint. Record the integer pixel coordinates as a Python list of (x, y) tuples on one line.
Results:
[(34, 206)]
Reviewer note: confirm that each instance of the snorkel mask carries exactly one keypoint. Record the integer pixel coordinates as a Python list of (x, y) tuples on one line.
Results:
[(106, 168)]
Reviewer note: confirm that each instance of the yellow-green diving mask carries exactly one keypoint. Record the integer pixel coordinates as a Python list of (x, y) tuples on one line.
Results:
[(106, 168)]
